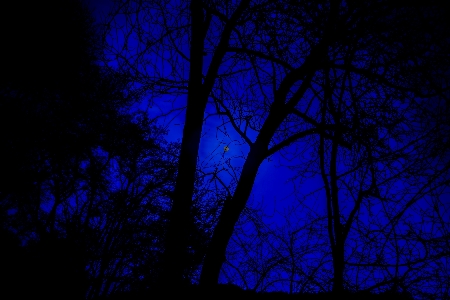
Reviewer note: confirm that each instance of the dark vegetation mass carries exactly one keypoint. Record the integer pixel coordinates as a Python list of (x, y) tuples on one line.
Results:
[(96, 203)]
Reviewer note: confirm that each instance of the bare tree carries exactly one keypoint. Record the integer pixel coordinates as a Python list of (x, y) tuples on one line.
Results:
[(178, 25), (263, 65), (347, 43)]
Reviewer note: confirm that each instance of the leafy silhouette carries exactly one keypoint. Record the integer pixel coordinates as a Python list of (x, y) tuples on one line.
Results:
[(95, 203)]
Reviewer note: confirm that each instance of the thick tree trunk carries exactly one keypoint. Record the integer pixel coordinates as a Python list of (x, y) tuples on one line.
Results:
[(180, 218), (215, 255), (338, 266), (231, 211)]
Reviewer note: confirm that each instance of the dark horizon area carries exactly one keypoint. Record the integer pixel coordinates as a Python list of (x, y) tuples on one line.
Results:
[(263, 149)]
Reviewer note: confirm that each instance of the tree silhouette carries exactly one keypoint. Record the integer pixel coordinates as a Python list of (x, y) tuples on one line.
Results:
[(344, 75), (85, 181)]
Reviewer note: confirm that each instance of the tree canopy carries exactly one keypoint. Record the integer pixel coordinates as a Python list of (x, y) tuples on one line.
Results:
[(356, 93)]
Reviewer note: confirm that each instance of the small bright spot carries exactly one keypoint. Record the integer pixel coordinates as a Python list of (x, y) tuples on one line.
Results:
[(226, 148)]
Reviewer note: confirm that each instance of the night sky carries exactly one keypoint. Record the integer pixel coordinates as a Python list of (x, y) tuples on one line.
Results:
[(274, 182), (285, 197), (287, 209)]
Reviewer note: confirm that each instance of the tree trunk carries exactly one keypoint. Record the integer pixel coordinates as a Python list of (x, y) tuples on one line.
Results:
[(338, 266), (215, 255), (231, 211), (180, 218)]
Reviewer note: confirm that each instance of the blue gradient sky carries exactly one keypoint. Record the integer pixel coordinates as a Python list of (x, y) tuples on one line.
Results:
[(274, 190)]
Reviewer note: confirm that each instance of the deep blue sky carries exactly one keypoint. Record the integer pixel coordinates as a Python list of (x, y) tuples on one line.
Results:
[(273, 189), (272, 182)]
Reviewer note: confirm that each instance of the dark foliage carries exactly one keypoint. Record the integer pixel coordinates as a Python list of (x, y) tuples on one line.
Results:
[(96, 204), (85, 184)]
